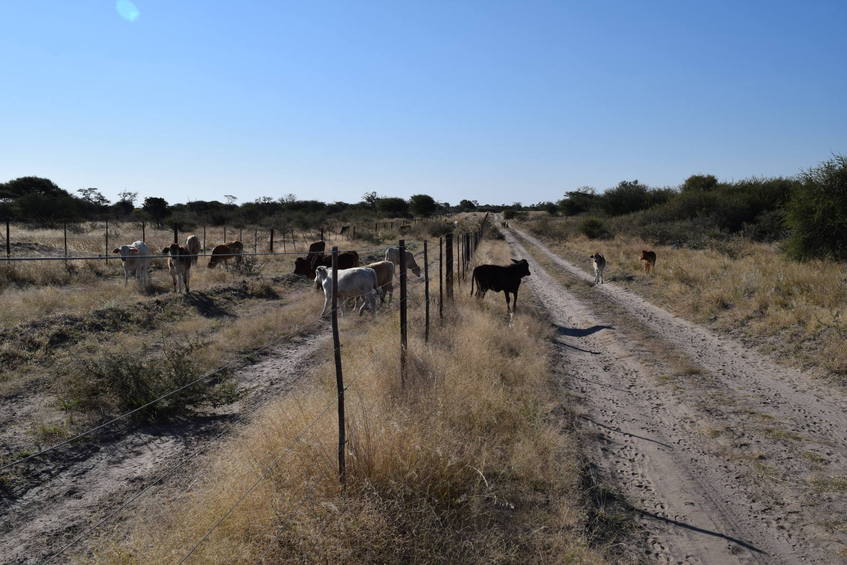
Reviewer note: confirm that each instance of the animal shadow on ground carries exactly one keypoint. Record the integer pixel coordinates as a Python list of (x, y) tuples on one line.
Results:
[(578, 332), (206, 306)]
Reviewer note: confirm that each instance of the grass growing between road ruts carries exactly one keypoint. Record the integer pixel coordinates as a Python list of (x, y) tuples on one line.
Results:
[(467, 463), (796, 310)]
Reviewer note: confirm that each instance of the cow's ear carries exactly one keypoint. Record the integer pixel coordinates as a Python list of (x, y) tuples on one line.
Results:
[(515, 261), (116, 250)]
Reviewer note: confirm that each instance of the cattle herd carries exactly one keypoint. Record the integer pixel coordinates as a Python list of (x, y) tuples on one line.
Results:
[(367, 283)]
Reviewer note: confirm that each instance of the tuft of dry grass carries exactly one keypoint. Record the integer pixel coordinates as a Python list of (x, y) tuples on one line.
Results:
[(746, 287), (465, 463)]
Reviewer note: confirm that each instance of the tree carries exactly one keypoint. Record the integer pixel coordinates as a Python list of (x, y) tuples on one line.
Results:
[(156, 208), (93, 196), (699, 183), (422, 205), (396, 207), (467, 205), (578, 201), (127, 196), (230, 198), (817, 212), (628, 196), (30, 185), (370, 199)]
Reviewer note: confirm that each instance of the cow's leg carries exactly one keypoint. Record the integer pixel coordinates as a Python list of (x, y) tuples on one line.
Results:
[(508, 308), (515, 302), (326, 303), (186, 277), (173, 278)]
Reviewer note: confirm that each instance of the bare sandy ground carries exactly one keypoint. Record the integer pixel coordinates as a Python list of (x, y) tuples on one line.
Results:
[(94, 482), (724, 455)]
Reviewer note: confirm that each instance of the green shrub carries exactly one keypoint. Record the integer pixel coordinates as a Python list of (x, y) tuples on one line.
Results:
[(119, 381), (592, 228), (817, 212)]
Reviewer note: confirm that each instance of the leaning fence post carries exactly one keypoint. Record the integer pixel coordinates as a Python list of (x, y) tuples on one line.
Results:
[(426, 291), (403, 313), (440, 279), (448, 267), (339, 377)]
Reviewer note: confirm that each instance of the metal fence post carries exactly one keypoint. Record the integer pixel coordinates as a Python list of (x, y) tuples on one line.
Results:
[(426, 291), (339, 377), (403, 313)]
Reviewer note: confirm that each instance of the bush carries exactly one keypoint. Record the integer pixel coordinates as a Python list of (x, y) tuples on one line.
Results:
[(817, 212), (592, 228), (628, 196), (120, 381)]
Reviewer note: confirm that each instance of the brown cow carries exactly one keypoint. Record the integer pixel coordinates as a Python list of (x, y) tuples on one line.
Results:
[(179, 265), (308, 265), (226, 251), (649, 260)]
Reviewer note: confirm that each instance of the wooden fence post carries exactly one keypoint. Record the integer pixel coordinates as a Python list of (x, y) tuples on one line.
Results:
[(107, 241), (403, 313), (143, 231), (241, 235), (8, 244), (65, 237), (255, 242), (440, 279), (224, 241), (448, 267), (339, 377), (176, 234), (271, 246), (204, 240), (322, 234), (426, 291)]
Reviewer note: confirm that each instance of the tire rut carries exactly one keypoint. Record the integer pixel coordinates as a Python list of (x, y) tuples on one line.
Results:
[(50, 515)]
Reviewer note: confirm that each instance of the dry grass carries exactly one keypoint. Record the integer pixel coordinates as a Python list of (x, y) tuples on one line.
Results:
[(466, 464), (30, 290), (751, 288)]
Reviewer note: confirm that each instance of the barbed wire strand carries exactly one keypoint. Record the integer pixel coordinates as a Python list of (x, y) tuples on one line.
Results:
[(256, 483)]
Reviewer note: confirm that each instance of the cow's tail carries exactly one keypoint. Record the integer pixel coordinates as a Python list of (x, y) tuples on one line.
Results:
[(473, 278)]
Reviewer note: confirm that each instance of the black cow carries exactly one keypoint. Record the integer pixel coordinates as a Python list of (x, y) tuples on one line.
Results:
[(308, 265), (498, 278)]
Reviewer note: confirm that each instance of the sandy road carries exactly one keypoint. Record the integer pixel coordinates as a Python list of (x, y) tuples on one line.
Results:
[(93, 484), (725, 456)]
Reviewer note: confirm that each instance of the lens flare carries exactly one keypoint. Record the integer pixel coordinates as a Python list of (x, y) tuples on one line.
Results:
[(127, 10)]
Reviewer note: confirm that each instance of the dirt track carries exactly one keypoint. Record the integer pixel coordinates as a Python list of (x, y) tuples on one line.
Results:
[(725, 456), (95, 483)]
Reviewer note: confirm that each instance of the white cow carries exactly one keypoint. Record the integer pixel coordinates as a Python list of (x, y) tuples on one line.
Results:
[(352, 283), (393, 254), (136, 262), (193, 245)]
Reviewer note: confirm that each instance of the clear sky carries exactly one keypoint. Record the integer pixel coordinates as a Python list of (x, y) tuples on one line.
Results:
[(489, 100)]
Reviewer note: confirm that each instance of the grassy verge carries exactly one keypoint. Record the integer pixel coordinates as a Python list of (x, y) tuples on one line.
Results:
[(466, 464), (797, 311)]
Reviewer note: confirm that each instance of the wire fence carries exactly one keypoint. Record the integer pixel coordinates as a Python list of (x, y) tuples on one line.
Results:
[(466, 245)]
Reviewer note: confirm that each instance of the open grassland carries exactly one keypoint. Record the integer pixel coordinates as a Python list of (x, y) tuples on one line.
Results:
[(797, 311), (471, 462)]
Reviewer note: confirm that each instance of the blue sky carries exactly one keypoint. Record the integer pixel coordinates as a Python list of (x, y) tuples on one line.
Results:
[(494, 101)]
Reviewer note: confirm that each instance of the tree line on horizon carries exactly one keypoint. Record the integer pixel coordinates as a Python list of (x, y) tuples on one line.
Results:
[(807, 211)]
